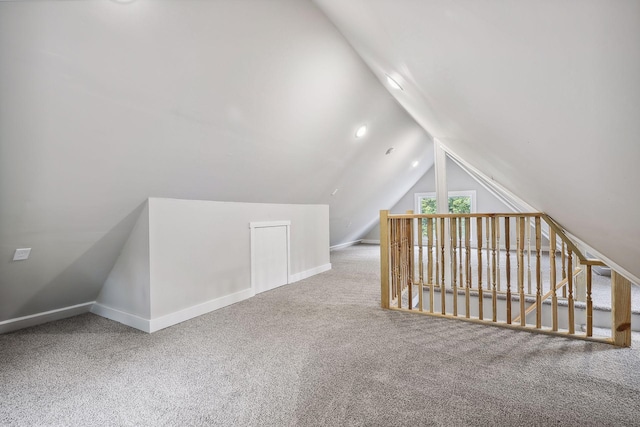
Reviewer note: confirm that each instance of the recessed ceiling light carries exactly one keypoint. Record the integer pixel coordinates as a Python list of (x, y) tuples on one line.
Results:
[(415, 163), (362, 130), (390, 150), (394, 84)]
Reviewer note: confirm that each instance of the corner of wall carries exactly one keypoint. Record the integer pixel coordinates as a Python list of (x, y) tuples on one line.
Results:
[(125, 295)]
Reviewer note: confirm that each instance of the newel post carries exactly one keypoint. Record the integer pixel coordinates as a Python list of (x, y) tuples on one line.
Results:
[(620, 310), (384, 259)]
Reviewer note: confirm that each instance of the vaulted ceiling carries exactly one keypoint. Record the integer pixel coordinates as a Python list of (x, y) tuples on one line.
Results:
[(540, 96), (106, 103)]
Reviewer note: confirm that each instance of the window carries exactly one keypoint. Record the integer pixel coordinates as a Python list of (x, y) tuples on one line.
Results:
[(459, 202)]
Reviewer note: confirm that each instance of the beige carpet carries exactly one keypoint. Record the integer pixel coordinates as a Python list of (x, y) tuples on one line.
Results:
[(318, 352)]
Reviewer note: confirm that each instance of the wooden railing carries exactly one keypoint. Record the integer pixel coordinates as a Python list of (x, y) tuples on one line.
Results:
[(492, 268)]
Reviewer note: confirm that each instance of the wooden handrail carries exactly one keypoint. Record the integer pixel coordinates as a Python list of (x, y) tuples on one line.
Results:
[(560, 231), (446, 258), (592, 262)]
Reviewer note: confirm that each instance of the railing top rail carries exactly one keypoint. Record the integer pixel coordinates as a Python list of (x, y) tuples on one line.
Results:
[(560, 232)]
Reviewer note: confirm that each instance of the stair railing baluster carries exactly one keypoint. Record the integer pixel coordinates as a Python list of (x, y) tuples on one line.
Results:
[(589, 331), (443, 293), (529, 291), (553, 279), (538, 274), (521, 269), (479, 250), (430, 262), (494, 294), (420, 222), (453, 227), (507, 243), (570, 292), (467, 249), (488, 249)]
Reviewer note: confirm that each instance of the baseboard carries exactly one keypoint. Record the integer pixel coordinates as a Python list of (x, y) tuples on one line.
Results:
[(370, 242), (308, 273), (198, 310), (45, 317), (128, 319), (344, 245)]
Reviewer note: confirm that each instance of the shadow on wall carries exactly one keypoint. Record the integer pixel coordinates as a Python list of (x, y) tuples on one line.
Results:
[(82, 281)]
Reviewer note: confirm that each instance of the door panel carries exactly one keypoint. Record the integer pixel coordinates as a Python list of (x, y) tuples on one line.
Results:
[(270, 258)]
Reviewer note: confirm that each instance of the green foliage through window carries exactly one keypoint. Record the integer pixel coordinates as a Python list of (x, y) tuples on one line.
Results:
[(457, 205)]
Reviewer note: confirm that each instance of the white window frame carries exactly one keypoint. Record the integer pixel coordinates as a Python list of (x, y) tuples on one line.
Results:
[(432, 195)]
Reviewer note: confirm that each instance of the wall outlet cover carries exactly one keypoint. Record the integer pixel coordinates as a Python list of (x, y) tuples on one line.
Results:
[(21, 254)]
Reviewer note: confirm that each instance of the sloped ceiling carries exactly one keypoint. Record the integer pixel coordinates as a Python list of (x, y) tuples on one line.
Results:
[(105, 103), (541, 96)]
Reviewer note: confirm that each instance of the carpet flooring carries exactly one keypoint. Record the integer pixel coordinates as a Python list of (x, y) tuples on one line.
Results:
[(319, 352)]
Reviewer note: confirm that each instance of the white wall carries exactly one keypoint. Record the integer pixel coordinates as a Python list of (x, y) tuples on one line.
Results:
[(185, 258), (201, 250), (128, 286)]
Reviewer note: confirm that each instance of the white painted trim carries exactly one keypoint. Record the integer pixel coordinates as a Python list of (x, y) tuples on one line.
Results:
[(153, 325), (44, 317), (308, 273), (506, 196), (440, 165), (128, 319), (344, 245), (370, 242), (586, 248), (198, 310), (519, 205), (442, 199), (264, 224)]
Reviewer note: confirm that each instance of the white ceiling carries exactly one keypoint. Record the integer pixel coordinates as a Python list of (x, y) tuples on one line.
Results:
[(541, 96)]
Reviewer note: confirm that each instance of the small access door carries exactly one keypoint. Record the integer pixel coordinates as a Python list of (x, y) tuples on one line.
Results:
[(269, 255)]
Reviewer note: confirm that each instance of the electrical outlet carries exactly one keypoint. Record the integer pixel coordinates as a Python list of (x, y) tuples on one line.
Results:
[(21, 254)]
